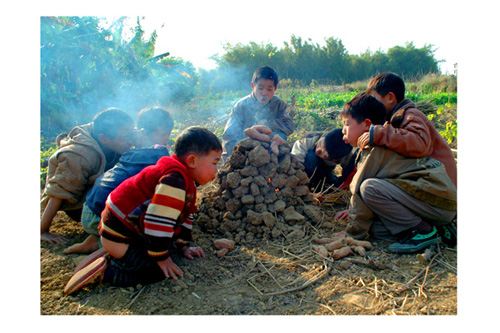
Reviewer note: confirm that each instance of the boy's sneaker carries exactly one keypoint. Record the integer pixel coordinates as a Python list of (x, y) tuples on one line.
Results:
[(93, 272), (415, 242), (448, 234)]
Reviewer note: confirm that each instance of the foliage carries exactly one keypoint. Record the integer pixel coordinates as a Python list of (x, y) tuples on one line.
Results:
[(87, 66), (306, 61), (445, 120), (450, 133), (46, 150), (323, 100)]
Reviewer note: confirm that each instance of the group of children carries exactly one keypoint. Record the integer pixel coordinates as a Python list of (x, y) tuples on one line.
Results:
[(137, 204)]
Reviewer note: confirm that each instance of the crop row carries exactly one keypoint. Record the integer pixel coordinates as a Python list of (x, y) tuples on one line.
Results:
[(319, 100)]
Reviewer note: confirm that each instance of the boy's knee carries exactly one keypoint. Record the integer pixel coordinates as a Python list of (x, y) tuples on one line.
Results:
[(368, 188)]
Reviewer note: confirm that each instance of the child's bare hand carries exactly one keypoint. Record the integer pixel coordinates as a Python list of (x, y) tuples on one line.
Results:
[(53, 238), (363, 140), (170, 269), (275, 143), (342, 215), (194, 251)]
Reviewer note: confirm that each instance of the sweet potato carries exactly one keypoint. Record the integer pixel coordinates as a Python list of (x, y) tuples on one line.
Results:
[(337, 244), (222, 252), (342, 252), (325, 240), (351, 241), (224, 243), (359, 250), (322, 251)]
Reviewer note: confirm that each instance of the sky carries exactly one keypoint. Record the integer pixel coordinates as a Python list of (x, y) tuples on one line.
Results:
[(195, 33)]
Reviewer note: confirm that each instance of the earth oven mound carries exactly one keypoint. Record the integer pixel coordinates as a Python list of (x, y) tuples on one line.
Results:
[(258, 195)]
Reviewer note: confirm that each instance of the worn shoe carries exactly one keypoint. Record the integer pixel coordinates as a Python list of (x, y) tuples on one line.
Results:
[(92, 272), (448, 234), (90, 258), (415, 242)]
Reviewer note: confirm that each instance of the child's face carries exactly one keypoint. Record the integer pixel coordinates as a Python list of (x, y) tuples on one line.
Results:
[(204, 167), (264, 90), (123, 141), (321, 151), (352, 129), (388, 100)]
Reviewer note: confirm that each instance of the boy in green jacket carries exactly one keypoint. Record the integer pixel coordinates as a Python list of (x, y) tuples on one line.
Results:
[(393, 196)]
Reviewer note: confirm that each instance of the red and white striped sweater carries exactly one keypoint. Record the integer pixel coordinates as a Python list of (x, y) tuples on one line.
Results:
[(156, 204)]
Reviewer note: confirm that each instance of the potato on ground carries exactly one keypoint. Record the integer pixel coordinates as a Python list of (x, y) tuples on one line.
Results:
[(337, 244), (325, 240), (342, 252), (321, 250), (222, 252), (354, 242), (224, 243)]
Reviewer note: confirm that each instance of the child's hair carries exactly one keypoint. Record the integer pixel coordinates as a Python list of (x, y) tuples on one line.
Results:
[(110, 121), (364, 106), (335, 145), (266, 73), (196, 140), (60, 137), (154, 118), (387, 82)]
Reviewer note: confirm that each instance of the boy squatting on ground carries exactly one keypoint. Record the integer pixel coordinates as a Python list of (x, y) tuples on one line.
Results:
[(155, 125), (148, 216), (321, 153), (84, 154), (261, 108), (393, 196)]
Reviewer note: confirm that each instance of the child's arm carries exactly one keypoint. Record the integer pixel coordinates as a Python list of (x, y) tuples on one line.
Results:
[(282, 124), (413, 139), (50, 211), (161, 218)]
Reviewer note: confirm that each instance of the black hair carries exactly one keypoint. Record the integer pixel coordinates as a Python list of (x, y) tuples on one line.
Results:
[(364, 106), (266, 73), (110, 121), (335, 145), (196, 140), (387, 82), (154, 118)]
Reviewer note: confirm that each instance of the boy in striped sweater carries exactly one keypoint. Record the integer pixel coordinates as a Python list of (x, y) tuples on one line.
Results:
[(148, 216)]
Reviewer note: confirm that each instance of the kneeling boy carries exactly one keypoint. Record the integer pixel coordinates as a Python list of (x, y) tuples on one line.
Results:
[(147, 216)]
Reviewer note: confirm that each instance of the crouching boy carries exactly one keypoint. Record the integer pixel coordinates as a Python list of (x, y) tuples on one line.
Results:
[(148, 216), (394, 197), (321, 153)]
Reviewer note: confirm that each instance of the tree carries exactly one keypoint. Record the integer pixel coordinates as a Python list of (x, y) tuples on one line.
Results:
[(86, 66)]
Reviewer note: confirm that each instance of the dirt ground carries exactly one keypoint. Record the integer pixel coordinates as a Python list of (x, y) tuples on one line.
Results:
[(278, 277)]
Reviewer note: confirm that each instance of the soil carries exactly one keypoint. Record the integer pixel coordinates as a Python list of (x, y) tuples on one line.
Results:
[(263, 277)]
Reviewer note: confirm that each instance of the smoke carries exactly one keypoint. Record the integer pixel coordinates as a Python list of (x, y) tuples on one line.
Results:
[(84, 70)]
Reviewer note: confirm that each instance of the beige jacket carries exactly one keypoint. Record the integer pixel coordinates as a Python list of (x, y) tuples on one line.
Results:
[(73, 168), (425, 179)]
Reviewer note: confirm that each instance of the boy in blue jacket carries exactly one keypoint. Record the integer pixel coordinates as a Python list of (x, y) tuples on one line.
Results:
[(155, 125)]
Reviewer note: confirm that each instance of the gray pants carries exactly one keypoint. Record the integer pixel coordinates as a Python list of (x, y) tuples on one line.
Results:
[(396, 210)]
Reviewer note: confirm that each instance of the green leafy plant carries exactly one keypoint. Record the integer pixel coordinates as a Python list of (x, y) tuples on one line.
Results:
[(450, 133), (46, 150)]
